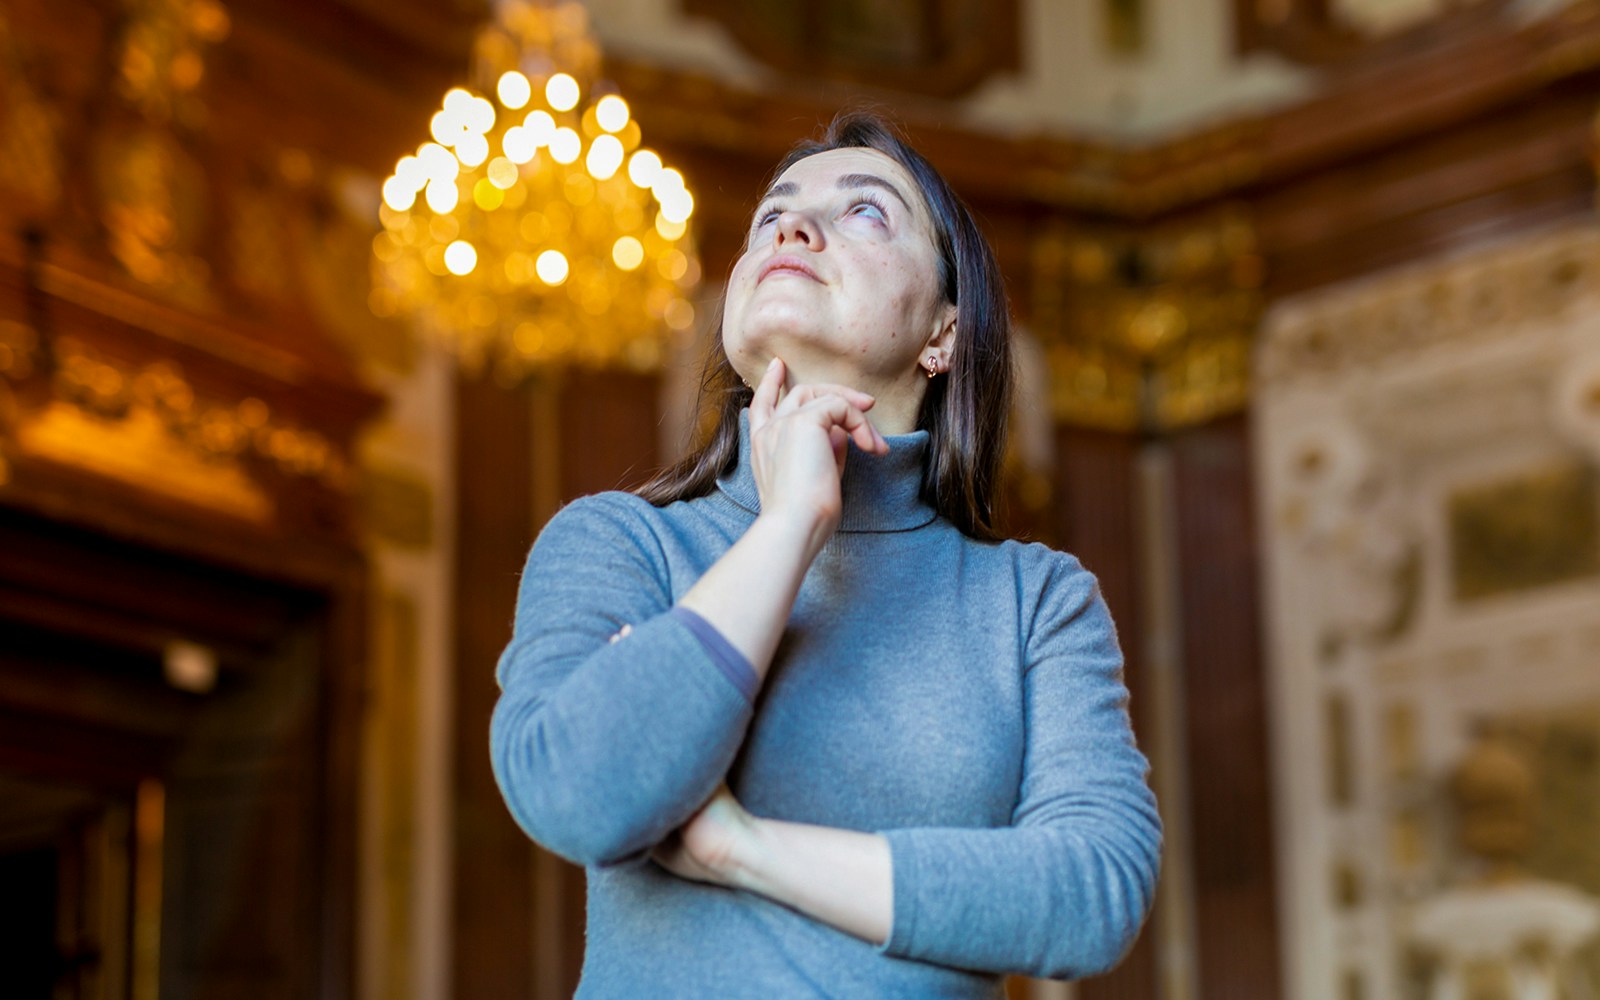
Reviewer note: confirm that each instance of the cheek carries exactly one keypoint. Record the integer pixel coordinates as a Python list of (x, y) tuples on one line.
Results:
[(900, 294)]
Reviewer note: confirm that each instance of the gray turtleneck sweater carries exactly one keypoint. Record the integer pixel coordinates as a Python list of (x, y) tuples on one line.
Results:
[(962, 698)]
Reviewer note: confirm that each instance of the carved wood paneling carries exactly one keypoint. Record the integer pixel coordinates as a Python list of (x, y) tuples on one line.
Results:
[(942, 48), (1335, 34)]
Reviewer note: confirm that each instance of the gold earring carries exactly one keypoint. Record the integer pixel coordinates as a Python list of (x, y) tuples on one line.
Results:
[(933, 367)]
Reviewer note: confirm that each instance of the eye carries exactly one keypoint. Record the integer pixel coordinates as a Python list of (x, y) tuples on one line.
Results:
[(768, 216), (869, 207)]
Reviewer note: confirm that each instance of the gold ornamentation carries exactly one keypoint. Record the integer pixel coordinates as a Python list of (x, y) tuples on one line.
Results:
[(534, 231), (152, 196), (1348, 890), (150, 428), (139, 449), (30, 147), (1149, 331), (1339, 752), (160, 58), (258, 254), (1528, 531), (18, 350), (1485, 297)]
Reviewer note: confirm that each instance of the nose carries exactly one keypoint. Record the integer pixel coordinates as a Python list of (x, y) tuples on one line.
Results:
[(801, 228)]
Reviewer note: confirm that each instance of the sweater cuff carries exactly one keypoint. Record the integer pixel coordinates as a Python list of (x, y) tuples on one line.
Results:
[(903, 875), (730, 661)]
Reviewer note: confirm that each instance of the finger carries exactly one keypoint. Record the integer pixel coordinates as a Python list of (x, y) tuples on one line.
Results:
[(806, 392), (834, 411), (765, 399)]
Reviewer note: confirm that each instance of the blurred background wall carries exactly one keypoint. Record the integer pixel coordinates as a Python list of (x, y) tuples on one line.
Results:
[(1311, 370)]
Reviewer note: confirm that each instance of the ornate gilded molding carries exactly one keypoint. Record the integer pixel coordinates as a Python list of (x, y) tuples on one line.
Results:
[(160, 56), (30, 133), (1484, 296), (1148, 330), (149, 426)]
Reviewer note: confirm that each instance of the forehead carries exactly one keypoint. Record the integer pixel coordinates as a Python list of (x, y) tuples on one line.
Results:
[(821, 172)]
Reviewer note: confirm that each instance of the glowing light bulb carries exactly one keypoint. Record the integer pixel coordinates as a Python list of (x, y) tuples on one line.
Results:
[(667, 180), (399, 195), (442, 196), (540, 126), (551, 267), (411, 173), (460, 257), (668, 229), (605, 156), (473, 149), (561, 92), (437, 163), (445, 128), (612, 113), (644, 167), (514, 89), (502, 173), (480, 115), (456, 101), (519, 145), (677, 205), (627, 253), (565, 146)]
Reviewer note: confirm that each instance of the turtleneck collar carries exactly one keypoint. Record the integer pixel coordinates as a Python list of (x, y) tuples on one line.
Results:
[(880, 492)]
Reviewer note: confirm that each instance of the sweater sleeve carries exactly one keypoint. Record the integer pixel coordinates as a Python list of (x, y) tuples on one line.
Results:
[(1062, 891), (602, 745)]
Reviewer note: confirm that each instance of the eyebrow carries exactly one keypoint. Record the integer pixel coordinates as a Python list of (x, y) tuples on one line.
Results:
[(846, 181)]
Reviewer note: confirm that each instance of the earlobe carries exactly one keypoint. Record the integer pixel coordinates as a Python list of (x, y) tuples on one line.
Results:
[(937, 358)]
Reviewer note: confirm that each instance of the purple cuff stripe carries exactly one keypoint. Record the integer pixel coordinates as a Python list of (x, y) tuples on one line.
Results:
[(730, 661)]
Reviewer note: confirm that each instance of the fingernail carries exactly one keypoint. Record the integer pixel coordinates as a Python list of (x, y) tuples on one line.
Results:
[(772, 364)]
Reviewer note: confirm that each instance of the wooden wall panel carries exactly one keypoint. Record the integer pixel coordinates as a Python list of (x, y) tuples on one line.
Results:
[(1097, 504), (521, 453), (1230, 797), (492, 861)]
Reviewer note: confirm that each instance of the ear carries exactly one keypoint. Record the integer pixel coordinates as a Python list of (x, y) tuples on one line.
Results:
[(942, 342)]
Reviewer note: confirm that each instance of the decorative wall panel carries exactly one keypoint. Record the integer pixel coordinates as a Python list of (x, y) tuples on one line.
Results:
[(1428, 448)]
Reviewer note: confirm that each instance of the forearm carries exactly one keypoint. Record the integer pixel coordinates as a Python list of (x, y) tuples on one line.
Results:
[(843, 878), (748, 593), (601, 758)]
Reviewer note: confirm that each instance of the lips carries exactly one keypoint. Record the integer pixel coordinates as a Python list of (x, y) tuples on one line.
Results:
[(787, 264)]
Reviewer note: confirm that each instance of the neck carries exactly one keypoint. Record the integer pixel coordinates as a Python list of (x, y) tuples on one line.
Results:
[(879, 492), (899, 399)]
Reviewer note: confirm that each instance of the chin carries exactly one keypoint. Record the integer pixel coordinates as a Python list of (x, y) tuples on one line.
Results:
[(755, 345)]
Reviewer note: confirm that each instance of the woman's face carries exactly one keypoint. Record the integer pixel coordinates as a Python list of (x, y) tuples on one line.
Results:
[(839, 276)]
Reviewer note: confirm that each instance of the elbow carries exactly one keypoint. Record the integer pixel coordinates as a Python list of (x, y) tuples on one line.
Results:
[(1127, 897), (1131, 899), (564, 813)]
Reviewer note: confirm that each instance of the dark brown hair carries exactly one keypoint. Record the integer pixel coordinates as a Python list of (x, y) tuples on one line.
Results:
[(965, 409)]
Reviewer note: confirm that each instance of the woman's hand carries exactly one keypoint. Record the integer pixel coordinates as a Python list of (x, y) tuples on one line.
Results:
[(798, 443), (712, 845), (844, 878)]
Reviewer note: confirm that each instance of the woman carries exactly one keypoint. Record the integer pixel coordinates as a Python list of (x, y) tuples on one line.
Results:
[(812, 730)]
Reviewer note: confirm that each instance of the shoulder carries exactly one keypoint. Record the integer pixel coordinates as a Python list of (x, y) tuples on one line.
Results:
[(1054, 588), (613, 509), (1041, 570), (601, 525)]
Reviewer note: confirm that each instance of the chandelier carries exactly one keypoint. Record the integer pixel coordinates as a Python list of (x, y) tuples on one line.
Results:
[(535, 231)]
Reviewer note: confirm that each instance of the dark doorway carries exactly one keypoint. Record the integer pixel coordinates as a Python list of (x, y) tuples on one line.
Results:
[(176, 788)]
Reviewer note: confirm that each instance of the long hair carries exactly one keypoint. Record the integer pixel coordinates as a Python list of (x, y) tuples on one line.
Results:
[(965, 409)]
